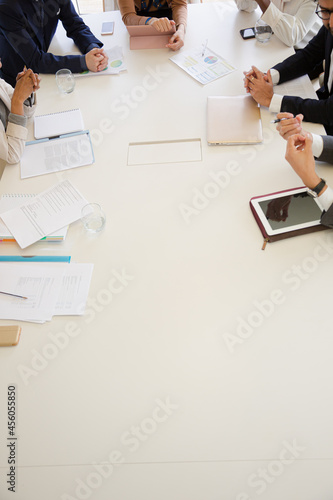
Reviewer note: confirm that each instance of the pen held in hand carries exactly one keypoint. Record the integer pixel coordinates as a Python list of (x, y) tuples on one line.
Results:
[(278, 120)]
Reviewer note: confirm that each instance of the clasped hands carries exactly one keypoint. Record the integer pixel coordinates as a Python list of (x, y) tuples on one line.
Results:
[(176, 41), (96, 60), (259, 85), (27, 82)]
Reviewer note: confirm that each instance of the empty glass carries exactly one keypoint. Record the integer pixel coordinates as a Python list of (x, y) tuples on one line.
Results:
[(65, 81), (92, 217), (262, 31)]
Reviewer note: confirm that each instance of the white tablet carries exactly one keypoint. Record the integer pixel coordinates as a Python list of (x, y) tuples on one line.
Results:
[(287, 211)]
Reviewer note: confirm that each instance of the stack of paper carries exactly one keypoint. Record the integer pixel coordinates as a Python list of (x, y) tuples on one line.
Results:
[(37, 292)]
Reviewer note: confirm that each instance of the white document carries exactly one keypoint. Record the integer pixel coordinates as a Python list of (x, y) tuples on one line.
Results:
[(51, 210), (144, 153), (74, 289), (203, 68), (8, 201), (55, 124), (116, 64), (54, 155), (41, 286), (301, 87)]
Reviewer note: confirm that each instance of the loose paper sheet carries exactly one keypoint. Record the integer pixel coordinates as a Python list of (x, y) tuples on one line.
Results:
[(203, 68), (51, 210)]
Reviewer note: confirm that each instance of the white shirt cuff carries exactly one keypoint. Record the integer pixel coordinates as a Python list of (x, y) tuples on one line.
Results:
[(317, 145), (275, 76), (276, 102), (325, 200)]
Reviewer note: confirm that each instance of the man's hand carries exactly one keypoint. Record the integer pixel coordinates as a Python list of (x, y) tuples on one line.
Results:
[(299, 155), (290, 125), (259, 85), (96, 60), (177, 39)]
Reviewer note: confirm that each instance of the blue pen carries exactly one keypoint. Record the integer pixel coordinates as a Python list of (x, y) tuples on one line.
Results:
[(35, 258)]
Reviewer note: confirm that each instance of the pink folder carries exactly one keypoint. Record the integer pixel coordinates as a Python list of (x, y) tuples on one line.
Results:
[(147, 37)]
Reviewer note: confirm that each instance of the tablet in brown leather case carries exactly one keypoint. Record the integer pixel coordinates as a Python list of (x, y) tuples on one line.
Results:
[(268, 238)]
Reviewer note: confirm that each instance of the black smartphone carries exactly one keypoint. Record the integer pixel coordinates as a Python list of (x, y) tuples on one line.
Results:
[(107, 28), (247, 33)]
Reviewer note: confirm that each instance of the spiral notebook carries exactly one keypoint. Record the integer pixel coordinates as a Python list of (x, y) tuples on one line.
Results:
[(57, 124), (9, 201)]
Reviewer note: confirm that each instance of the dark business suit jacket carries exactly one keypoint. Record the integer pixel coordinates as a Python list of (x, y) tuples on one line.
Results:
[(26, 30), (317, 50)]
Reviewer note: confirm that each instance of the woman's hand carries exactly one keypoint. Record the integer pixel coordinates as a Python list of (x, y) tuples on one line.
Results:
[(176, 41)]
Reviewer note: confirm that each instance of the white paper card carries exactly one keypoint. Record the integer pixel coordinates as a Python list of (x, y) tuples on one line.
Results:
[(144, 153)]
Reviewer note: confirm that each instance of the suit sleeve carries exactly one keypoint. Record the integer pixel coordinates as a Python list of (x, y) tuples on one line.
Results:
[(305, 59), (15, 31), (327, 153), (315, 111), (327, 217), (76, 29)]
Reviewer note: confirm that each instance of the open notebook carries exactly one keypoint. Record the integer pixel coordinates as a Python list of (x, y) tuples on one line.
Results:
[(233, 120)]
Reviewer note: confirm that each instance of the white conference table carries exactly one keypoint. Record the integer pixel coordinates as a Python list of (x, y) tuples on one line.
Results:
[(149, 378)]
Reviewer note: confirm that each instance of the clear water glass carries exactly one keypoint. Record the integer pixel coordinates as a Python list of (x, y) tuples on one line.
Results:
[(93, 217), (65, 81), (262, 31)]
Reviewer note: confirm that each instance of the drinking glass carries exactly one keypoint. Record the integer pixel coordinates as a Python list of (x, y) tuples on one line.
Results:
[(65, 81), (262, 31), (93, 217)]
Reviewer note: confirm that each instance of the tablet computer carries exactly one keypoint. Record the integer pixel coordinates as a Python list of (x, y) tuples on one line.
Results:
[(287, 213), (147, 37)]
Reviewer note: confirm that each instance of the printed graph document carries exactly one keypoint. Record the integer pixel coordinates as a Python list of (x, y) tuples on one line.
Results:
[(52, 209), (55, 124), (301, 87), (41, 286), (116, 64), (203, 68), (9, 201), (53, 155)]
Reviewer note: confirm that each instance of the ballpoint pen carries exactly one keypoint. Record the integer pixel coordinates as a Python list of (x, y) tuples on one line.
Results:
[(204, 48), (13, 295), (278, 120)]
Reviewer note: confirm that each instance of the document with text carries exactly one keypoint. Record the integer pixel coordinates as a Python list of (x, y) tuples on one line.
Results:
[(54, 155), (48, 212)]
